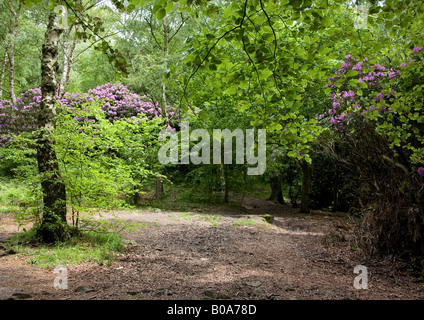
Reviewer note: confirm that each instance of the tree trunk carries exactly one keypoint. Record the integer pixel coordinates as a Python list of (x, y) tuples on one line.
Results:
[(276, 191), (68, 59), (304, 204), (335, 192), (159, 188), (65, 62), (53, 226), (159, 183), (3, 71), (224, 176), (11, 50), (71, 59), (165, 58)]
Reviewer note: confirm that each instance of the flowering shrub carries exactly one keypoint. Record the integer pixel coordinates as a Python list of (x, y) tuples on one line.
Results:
[(377, 113), (116, 102), (105, 143), (390, 98), (20, 117)]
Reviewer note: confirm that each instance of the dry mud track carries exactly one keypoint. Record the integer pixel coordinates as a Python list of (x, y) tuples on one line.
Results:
[(203, 255)]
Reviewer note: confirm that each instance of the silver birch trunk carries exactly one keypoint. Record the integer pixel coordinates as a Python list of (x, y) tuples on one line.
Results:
[(53, 225)]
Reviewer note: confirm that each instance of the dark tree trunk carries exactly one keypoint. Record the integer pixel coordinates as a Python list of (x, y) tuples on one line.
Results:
[(335, 203), (224, 173), (306, 170), (53, 226), (159, 188), (136, 196), (276, 191)]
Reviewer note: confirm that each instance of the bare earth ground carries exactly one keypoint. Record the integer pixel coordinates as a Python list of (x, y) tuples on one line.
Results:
[(178, 257)]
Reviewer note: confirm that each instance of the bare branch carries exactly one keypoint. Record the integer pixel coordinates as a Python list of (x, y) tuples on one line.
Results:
[(149, 22), (179, 27)]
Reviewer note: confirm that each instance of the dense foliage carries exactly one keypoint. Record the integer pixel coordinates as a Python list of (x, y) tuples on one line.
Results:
[(342, 105)]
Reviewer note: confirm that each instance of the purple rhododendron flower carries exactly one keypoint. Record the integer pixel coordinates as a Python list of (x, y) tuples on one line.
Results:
[(349, 94), (116, 102), (358, 66)]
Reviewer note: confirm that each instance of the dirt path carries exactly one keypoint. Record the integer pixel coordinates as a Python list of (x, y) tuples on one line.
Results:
[(224, 253)]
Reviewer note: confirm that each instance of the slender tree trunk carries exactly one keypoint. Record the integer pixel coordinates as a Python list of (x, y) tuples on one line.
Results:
[(306, 170), (159, 188), (335, 204), (53, 225), (11, 50), (165, 57), (159, 182), (276, 191), (136, 196), (71, 58), (68, 59), (225, 182), (12, 75), (65, 62), (3, 71)]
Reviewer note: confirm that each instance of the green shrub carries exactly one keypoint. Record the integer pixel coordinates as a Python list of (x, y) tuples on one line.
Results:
[(84, 246)]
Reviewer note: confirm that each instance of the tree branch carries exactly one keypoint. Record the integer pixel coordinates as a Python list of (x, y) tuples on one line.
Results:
[(149, 22), (180, 26)]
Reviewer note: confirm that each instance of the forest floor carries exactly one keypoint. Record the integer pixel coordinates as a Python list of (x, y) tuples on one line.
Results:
[(224, 252)]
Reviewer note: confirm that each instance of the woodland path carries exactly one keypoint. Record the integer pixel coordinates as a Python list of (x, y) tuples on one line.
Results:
[(206, 255)]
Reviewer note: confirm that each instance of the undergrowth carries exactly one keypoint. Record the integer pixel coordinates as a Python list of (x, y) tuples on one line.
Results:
[(84, 246)]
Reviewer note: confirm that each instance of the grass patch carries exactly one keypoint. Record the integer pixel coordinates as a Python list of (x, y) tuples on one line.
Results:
[(186, 215), (213, 219), (84, 247), (8, 209), (244, 222), (16, 195)]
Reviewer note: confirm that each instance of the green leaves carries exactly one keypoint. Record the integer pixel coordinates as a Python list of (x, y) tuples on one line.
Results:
[(139, 3), (324, 4), (164, 7), (100, 159), (161, 13), (169, 7), (351, 73), (353, 82), (362, 85)]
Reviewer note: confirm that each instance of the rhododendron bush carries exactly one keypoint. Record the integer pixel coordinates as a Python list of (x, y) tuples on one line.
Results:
[(104, 163), (105, 142), (377, 115), (115, 101), (391, 98)]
